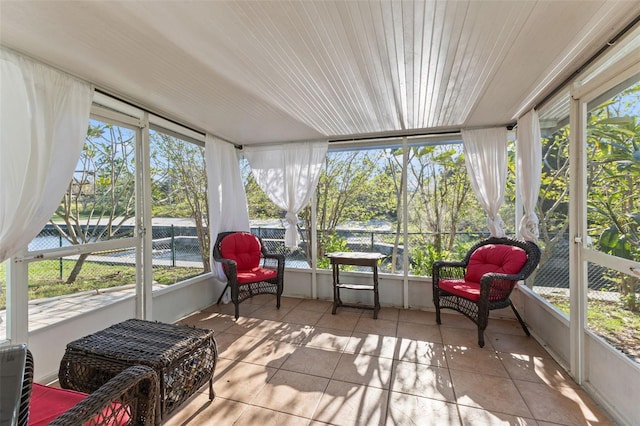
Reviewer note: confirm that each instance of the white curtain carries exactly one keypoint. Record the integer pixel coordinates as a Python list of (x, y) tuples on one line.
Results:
[(486, 160), (227, 199), (43, 124), (528, 170), (288, 174)]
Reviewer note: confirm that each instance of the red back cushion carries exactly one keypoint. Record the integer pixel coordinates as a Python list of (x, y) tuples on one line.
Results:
[(503, 259), (244, 248)]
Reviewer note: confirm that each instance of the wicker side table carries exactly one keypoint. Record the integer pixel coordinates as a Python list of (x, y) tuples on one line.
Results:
[(183, 357)]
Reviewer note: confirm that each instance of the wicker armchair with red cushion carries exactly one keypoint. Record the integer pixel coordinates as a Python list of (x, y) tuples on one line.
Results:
[(129, 398), (484, 279), (249, 268)]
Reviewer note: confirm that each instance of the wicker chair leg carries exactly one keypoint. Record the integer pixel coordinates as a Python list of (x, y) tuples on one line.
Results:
[(480, 337), (436, 302), (524, 326), (482, 321)]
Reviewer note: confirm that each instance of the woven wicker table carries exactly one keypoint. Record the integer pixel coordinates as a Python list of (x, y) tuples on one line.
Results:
[(183, 357)]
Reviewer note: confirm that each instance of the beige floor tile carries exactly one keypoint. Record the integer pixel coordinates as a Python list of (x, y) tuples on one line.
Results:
[(464, 337), (223, 341), (288, 302), (427, 353), (419, 317), (328, 338), (271, 353), (369, 325), (455, 320), (301, 316), (216, 322), (476, 360), (422, 380), (239, 347), (421, 332), (313, 361), (364, 370), (563, 405), (270, 312), (413, 410), (254, 416), (536, 369), (390, 314), (240, 381), (200, 411), (315, 305), (505, 327), (490, 393), (293, 393), (344, 404), (372, 344), (476, 416), (517, 344), (340, 321), (292, 333), (243, 325)]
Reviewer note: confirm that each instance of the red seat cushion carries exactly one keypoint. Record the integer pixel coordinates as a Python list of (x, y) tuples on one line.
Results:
[(256, 275), (242, 247), (498, 258), (48, 403), (466, 289)]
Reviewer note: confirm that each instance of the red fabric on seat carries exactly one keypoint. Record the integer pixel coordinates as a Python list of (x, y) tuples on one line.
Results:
[(256, 275), (242, 247), (48, 403), (467, 289), (498, 258)]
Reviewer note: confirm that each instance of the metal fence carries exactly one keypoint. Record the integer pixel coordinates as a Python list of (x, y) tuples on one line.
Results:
[(175, 255), (176, 247)]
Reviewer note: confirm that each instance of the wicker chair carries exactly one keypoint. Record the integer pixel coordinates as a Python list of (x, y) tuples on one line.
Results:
[(129, 398), (484, 279), (249, 268)]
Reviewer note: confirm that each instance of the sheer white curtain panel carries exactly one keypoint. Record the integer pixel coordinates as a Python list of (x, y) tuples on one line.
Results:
[(486, 160), (528, 172), (43, 124), (288, 174), (227, 199)]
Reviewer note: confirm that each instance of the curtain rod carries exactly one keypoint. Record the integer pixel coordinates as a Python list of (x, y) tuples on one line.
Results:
[(132, 104), (510, 126)]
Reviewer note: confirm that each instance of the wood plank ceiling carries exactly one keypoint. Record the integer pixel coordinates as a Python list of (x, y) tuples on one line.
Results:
[(270, 71)]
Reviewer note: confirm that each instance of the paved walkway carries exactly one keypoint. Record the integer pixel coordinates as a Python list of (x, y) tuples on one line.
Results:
[(44, 312)]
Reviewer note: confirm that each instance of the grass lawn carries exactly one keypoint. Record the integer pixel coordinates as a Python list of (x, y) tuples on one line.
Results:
[(620, 327), (44, 278)]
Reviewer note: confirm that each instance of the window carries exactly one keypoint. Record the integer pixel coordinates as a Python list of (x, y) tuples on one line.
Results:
[(96, 215), (551, 279), (613, 217), (179, 208)]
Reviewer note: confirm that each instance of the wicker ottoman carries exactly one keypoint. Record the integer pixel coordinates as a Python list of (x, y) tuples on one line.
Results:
[(183, 357)]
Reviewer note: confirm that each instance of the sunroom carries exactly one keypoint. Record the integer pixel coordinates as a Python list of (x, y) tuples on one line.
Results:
[(184, 101)]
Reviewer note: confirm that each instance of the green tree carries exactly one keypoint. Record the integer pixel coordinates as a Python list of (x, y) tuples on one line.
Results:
[(614, 179), (179, 185), (100, 196)]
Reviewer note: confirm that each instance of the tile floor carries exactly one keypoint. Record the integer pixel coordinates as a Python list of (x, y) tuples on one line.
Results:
[(300, 365)]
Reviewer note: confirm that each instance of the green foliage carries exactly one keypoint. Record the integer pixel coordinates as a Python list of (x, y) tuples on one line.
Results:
[(423, 258), (331, 243)]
